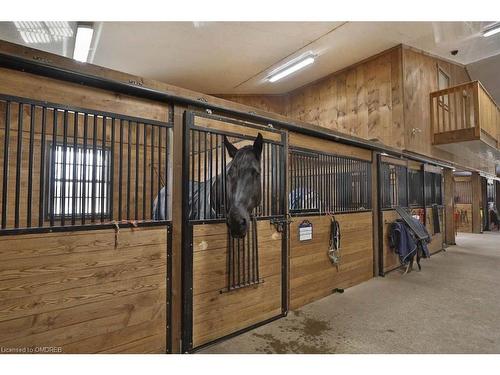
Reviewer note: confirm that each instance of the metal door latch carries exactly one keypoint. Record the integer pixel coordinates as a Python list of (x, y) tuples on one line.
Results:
[(279, 224)]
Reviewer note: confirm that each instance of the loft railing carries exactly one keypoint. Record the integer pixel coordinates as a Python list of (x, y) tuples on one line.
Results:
[(464, 112)]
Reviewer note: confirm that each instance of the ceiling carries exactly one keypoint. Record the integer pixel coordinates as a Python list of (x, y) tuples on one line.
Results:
[(236, 57), (488, 72)]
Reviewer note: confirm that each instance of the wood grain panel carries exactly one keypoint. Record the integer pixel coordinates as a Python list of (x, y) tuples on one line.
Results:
[(312, 276), (390, 258), (217, 313), (364, 100), (36, 87), (312, 143), (66, 290)]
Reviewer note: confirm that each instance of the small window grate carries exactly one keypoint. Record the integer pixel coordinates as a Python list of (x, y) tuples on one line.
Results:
[(243, 259)]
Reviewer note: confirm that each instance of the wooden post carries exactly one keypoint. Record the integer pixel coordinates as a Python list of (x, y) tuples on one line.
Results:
[(176, 260), (476, 202), (375, 215), (449, 206)]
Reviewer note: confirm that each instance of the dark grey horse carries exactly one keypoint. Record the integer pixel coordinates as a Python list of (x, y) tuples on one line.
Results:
[(242, 186)]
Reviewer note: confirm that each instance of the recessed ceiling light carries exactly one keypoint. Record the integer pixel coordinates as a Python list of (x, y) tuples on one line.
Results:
[(291, 67), (492, 30), (82, 43)]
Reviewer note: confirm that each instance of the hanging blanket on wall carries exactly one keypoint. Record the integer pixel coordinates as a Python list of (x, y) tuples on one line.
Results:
[(404, 242)]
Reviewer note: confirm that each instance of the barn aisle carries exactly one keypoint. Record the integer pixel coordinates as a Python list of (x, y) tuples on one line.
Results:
[(451, 306)]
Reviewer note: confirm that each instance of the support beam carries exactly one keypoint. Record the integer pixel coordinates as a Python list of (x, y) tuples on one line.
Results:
[(449, 206), (176, 260), (375, 215), (476, 203)]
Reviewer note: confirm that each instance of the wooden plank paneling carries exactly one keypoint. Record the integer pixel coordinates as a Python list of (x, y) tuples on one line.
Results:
[(312, 276), (390, 258), (64, 290), (364, 100), (216, 312)]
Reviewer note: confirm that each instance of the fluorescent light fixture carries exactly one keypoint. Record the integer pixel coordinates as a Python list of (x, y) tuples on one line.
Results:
[(36, 32), (82, 43), (492, 31), (291, 67), (384, 154)]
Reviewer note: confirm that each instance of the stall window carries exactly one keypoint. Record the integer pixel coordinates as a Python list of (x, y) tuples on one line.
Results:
[(78, 180), (393, 185), (416, 191), (321, 182)]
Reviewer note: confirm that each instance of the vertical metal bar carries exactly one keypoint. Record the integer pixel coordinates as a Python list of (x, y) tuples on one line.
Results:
[(217, 198), (264, 179), (158, 206), (167, 148), (205, 175), (111, 182), (238, 260), (18, 163), (256, 248), (152, 197), (144, 170), (210, 179), (249, 255), (53, 167), (30, 165), (223, 172), (75, 161), (84, 167), (230, 243), (191, 203), (64, 157), (41, 199), (136, 193), (103, 167), (199, 177), (129, 162), (5, 164), (94, 169)]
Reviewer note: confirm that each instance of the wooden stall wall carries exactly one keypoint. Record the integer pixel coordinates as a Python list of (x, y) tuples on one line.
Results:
[(436, 244), (312, 275), (84, 292), (389, 257), (217, 309), (216, 312), (420, 79), (270, 103), (43, 89), (365, 100)]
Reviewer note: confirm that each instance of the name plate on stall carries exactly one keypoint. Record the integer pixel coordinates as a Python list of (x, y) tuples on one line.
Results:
[(305, 231)]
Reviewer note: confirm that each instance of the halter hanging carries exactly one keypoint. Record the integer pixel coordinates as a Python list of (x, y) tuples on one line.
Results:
[(334, 248)]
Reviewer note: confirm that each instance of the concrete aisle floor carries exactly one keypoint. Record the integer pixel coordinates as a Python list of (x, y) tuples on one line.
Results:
[(451, 306)]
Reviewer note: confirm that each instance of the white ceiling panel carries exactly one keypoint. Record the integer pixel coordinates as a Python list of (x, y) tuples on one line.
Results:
[(236, 57)]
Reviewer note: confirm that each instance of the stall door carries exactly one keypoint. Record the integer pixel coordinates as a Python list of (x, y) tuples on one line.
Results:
[(230, 285)]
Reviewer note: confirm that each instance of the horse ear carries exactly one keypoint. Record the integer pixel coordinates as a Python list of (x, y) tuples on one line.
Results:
[(230, 147), (257, 146)]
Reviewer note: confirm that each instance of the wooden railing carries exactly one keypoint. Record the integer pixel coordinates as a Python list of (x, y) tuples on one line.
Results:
[(464, 112)]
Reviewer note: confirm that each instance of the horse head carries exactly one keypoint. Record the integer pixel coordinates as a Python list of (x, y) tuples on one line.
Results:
[(243, 185)]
